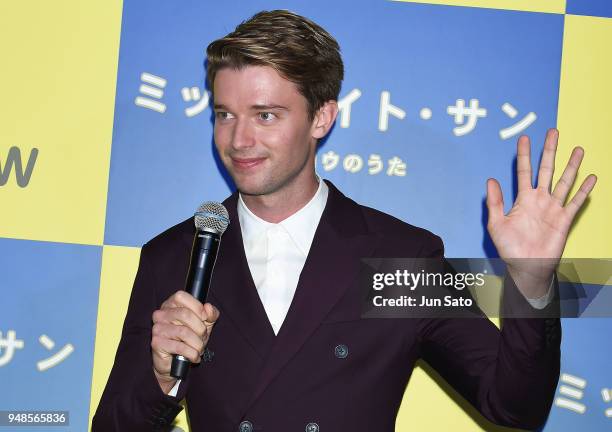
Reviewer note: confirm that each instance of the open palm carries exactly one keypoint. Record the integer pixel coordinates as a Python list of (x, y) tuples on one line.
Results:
[(538, 224)]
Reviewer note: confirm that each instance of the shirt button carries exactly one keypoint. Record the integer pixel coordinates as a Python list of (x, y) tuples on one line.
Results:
[(245, 426), (341, 351), (312, 427)]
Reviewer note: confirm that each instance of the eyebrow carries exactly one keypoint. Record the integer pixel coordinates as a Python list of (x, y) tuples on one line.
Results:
[(256, 107)]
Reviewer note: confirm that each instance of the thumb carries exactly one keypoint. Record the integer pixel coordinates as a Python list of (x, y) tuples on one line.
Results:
[(210, 314), (495, 201)]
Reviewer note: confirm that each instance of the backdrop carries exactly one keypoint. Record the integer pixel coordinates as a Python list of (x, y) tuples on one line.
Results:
[(106, 140)]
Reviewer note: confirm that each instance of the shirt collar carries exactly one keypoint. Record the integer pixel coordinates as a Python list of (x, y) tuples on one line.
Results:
[(300, 226)]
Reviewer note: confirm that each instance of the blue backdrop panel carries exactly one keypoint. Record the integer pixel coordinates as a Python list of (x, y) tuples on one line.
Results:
[(602, 8), (163, 164), (53, 319), (585, 354)]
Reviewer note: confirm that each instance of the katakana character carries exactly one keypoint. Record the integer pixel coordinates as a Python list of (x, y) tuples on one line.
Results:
[(193, 94), (396, 167), (344, 106), (472, 113), (425, 113), (574, 390), (606, 394), (517, 127), (352, 163), (375, 164), (155, 92), (385, 109), (56, 358), (330, 160), (8, 347)]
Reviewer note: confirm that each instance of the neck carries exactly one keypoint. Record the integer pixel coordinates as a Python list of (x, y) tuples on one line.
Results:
[(279, 205)]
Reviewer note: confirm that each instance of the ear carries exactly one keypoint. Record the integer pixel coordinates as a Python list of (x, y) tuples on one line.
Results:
[(324, 119)]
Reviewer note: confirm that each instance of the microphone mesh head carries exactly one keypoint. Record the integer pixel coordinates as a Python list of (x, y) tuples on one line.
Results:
[(211, 216)]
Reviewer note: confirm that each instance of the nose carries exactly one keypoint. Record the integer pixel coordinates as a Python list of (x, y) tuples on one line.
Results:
[(243, 135)]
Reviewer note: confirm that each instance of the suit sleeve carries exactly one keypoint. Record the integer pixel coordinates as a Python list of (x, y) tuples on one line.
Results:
[(511, 375), (132, 399)]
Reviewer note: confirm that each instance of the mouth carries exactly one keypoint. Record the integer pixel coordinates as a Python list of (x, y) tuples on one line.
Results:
[(246, 163)]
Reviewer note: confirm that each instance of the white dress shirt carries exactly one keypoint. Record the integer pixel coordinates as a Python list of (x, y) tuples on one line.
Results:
[(276, 253)]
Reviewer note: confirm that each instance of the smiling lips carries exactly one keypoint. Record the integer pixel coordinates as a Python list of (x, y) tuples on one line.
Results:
[(246, 163)]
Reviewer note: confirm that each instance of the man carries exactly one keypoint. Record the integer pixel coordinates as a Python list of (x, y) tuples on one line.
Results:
[(281, 338)]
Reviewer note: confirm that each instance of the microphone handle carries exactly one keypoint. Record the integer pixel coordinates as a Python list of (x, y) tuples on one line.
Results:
[(203, 257)]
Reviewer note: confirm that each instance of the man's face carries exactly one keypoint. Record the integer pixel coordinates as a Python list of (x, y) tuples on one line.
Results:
[(262, 131)]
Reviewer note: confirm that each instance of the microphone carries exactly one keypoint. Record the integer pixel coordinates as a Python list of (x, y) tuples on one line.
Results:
[(211, 220)]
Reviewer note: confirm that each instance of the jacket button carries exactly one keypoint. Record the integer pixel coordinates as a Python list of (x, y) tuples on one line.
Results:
[(341, 351), (245, 426), (312, 427), (208, 355)]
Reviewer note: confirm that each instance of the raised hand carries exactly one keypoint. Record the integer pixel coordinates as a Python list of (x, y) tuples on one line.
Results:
[(538, 224)]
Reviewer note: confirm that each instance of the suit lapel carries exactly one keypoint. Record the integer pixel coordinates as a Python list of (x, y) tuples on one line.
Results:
[(233, 287), (332, 265)]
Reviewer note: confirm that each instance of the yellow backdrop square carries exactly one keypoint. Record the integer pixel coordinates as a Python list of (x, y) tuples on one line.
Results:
[(57, 80), (119, 265)]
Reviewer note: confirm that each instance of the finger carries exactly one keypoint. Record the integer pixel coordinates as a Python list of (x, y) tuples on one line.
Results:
[(523, 163), (495, 201), (162, 346), (568, 177), (184, 299), (180, 316), (179, 333), (210, 314), (547, 165), (580, 196)]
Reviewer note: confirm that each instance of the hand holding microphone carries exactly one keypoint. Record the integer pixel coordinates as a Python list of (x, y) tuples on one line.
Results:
[(183, 324)]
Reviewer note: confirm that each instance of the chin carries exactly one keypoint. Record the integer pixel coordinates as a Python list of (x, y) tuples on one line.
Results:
[(250, 188), (247, 188)]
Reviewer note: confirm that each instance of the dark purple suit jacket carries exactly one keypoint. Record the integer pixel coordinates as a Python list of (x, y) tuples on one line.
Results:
[(295, 381)]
